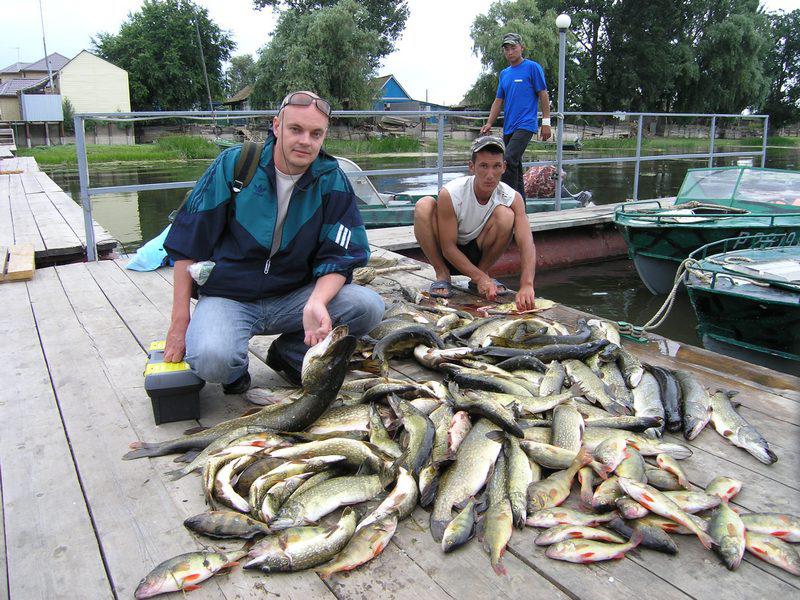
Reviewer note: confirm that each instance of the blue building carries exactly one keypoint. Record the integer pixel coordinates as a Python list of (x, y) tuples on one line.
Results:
[(392, 96)]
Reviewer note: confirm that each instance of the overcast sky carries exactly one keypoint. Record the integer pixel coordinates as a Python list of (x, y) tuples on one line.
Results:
[(434, 55)]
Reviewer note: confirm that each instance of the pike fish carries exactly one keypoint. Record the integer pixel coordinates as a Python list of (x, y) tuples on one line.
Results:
[(670, 396), (484, 405), (737, 430), (324, 498), (466, 476), (593, 387), (519, 476), (420, 432), (302, 547), (696, 404), (647, 403), (324, 368), (498, 519), (367, 542), (567, 428), (553, 379), (401, 501)]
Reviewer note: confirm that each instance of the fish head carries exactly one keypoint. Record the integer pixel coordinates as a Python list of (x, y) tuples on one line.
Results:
[(325, 364), (152, 585)]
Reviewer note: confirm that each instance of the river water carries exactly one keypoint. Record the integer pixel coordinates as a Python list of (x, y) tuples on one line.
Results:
[(610, 289)]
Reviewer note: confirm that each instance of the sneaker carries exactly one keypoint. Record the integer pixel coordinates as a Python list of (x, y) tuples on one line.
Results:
[(280, 365), (238, 386)]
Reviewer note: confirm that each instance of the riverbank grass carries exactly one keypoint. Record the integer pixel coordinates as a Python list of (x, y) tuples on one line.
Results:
[(186, 147)]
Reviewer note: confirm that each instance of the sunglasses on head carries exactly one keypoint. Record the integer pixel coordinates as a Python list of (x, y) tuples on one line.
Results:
[(303, 99)]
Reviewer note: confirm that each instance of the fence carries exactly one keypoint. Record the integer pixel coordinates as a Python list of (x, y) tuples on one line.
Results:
[(86, 191)]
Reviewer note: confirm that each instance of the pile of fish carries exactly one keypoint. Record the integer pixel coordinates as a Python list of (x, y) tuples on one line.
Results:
[(521, 410)]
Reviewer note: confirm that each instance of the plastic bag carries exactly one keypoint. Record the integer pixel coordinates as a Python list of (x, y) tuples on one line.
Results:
[(152, 255), (200, 271)]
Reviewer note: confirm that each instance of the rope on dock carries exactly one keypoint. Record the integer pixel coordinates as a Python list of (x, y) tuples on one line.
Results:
[(636, 332)]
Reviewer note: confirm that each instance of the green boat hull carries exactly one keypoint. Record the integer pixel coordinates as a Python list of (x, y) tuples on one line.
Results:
[(763, 330), (657, 250)]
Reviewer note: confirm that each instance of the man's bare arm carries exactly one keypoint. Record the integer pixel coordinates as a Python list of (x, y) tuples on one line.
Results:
[(181, 296), (544, 103), (527, 251), (494, 112), (316, 319)]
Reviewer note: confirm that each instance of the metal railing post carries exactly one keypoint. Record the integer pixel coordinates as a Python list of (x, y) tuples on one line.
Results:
[(764, 142), (83, 178), (639, 128), (440, 150), (562, 44), (711, 144)]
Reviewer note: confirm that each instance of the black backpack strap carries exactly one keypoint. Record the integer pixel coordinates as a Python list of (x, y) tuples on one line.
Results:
[(246, 165)]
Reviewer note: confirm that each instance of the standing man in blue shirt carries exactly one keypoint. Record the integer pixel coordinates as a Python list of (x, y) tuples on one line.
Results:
[(521, 89)]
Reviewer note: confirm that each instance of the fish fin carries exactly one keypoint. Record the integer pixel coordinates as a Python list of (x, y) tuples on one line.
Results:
[(186, 457), (496, 435), (176, 474), (499, 569), (191, 577), (190, 588), (193, 430), (251, 411)]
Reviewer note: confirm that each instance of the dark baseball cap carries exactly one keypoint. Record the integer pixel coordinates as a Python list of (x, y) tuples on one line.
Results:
[(512, 38), (487, 140)]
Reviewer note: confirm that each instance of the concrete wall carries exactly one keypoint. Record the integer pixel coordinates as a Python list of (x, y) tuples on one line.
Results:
[(95, 85)]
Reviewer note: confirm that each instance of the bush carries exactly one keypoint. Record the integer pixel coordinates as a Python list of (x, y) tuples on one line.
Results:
[(187, 146)]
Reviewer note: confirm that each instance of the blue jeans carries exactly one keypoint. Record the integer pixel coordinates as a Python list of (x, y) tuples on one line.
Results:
[(220, 328)]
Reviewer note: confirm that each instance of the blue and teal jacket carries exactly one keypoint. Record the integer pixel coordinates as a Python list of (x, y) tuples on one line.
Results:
[(323, 231)]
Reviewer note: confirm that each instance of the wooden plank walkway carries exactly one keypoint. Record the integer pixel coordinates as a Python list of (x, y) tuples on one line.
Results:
[(402, 238), (73, 345), (34, 210)]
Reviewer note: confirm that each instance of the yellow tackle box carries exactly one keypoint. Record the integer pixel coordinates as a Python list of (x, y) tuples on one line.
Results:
[(173, 389)]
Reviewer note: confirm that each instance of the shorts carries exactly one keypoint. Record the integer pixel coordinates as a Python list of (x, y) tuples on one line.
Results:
[(471, 251)]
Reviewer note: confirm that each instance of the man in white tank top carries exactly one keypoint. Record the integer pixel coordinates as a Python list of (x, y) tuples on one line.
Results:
[(470, 225)]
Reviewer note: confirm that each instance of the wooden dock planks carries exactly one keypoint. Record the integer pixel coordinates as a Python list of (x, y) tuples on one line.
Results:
[(16, 263), (34, 210), (50, 546), (94, 321)]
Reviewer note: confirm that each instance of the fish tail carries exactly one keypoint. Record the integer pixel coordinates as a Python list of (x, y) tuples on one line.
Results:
[(143, 449)]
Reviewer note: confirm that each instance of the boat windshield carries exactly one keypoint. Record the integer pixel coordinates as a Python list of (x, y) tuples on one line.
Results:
[(362, 186), (743, 187)]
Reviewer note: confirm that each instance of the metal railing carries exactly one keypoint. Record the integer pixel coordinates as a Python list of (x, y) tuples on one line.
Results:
[(86, 191)]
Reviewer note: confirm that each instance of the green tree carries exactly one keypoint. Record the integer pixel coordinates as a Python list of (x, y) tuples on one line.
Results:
[(158, 47), (386, 17), (730, 42), (782, 68), (300, 56), (240, 73), (539, 37)]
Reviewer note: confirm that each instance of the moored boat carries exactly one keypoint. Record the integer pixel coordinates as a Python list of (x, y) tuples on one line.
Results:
[(713, 204), (745, 292)]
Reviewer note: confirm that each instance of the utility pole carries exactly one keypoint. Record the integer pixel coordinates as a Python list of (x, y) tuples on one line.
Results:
[(203, 61), (44, 43)]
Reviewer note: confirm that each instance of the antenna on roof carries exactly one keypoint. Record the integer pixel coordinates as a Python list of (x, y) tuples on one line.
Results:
[(44, 43)]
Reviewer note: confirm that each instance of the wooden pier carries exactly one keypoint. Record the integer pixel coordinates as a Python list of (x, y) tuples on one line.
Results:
[(35, 210), (79, 522)]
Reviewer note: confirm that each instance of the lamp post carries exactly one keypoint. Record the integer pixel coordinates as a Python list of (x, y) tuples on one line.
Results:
[(562, 22)]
